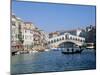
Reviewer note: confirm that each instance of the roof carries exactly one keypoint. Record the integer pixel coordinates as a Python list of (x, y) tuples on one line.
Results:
[(28, 22)]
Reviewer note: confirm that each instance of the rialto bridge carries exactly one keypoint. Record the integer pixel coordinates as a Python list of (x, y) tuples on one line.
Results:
[(65, 38)]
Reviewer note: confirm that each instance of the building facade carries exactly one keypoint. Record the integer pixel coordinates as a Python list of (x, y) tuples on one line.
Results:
[(39, 40), (16, 33), (25, 36), (28, 35), (54, 34)]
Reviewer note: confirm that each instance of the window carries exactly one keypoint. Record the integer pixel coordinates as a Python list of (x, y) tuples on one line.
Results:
[(51, 41), (13, 23), (81, 40), (57, 39), (19, 25), (62, 38), (71, 38), (66, 36), (54, 40)]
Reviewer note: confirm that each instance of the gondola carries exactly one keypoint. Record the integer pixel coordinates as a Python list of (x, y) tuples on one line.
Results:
[(73, 51)]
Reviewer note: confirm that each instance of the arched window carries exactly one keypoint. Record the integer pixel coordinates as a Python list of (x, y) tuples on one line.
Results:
[(57, 40), (54, 40), (51, 41), (81, 40), (70, 38), (66, 36), (62, 38)]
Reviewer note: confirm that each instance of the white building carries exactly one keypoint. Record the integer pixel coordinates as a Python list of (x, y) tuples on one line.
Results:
[(28, 36), (16, 25)]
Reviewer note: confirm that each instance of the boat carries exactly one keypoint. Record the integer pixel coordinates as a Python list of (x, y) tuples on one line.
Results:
[(54, 49), (23, 52), (41, 50), (34, 51), (72, 51), (47, 49), (17, 53)]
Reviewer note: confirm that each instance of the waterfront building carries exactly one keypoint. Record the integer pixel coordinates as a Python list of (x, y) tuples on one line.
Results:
[(28, 35), (39, 39), (89, 28), (91, 34), (44, 39), (36, 38), (13, 33), (16, 33)]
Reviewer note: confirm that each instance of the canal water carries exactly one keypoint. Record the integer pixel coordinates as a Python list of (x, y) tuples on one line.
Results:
[(51, 61)]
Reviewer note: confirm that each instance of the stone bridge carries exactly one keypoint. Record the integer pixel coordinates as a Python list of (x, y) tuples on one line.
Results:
[(66, 37)]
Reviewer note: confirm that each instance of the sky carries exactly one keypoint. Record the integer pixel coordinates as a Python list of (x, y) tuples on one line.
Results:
[(52, 17)]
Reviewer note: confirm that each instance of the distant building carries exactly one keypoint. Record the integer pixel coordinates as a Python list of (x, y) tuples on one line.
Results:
[(88, 28), (91, 34), (76, 32), (54, 34)]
